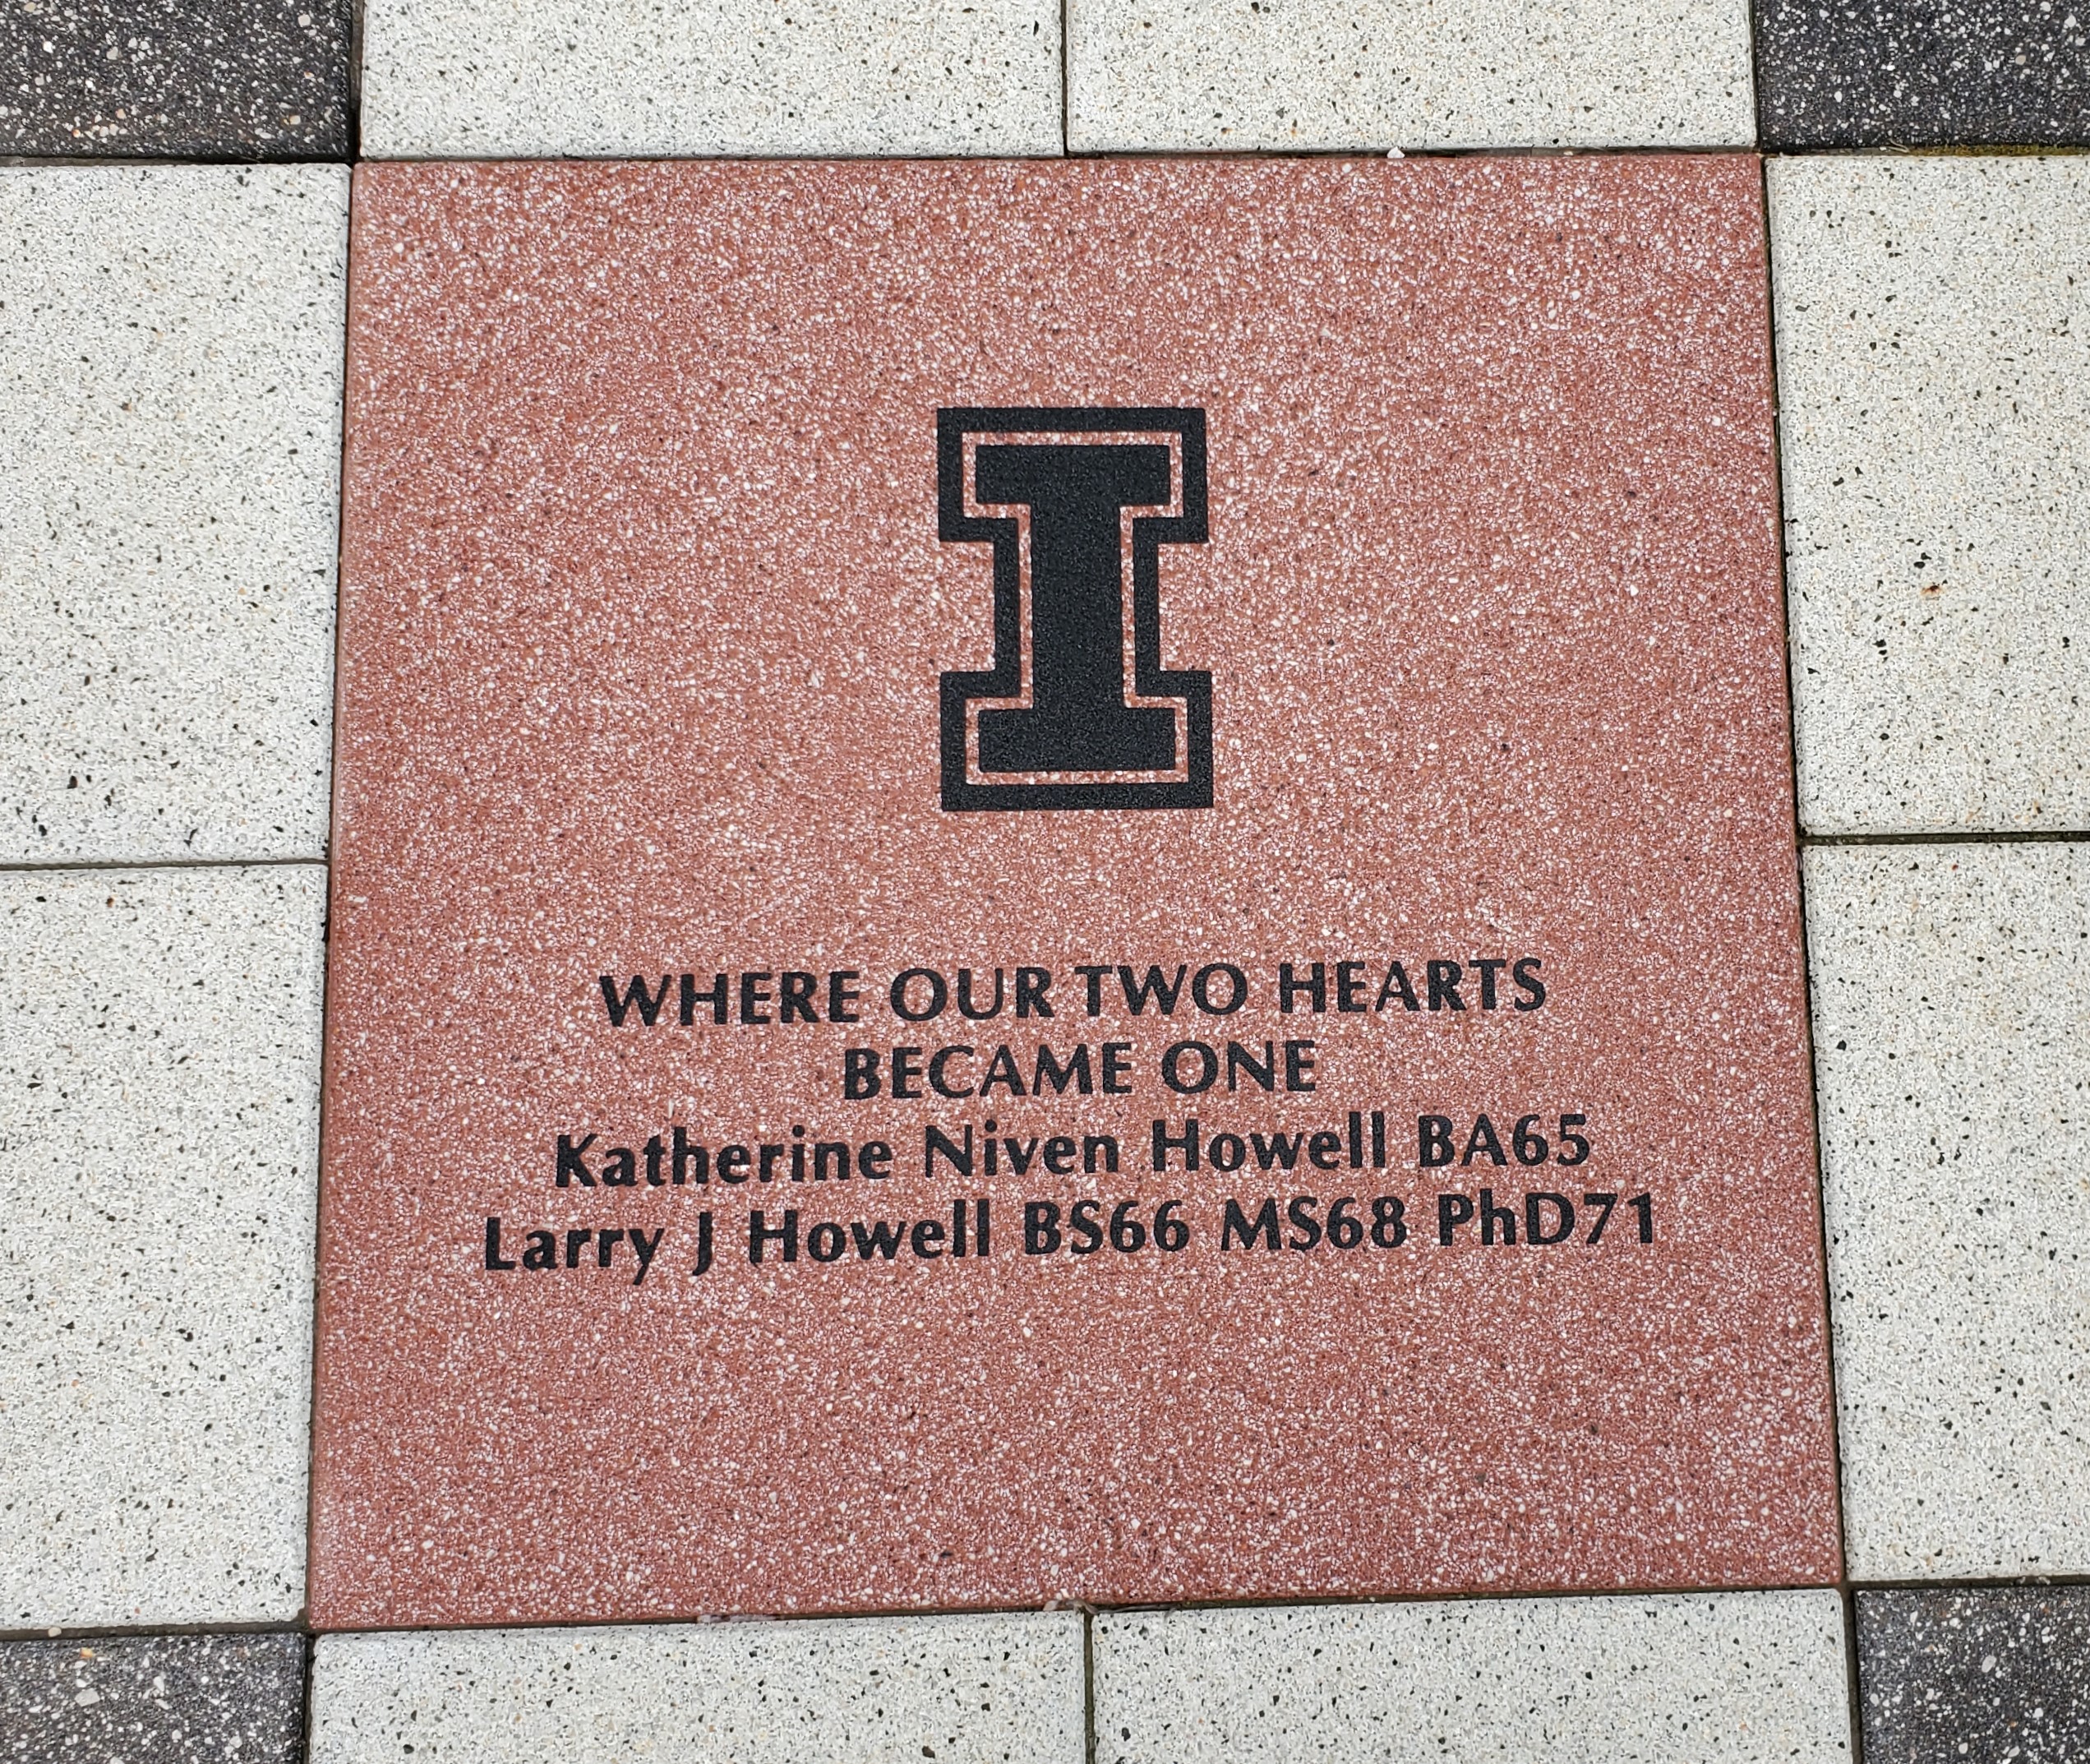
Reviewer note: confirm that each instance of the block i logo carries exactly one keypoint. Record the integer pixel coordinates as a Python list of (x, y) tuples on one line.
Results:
[(1077, 711)]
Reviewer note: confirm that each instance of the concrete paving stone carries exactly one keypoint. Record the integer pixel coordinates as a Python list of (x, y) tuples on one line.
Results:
[(1933, 321), (642, 79), (170, 388), (159, 1036), (1911, 73), (191, 1699), (1295, 75), (174, 79), (1991, 1672), (1952, 1024), (535, 761), (1728, 1677), (876, 1691)]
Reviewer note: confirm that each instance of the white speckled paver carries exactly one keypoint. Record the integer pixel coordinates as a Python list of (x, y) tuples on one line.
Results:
[(1933, 321), (1297, 74), (962, 1690), (1668, 1680), (1952, 1024), (159, 1038), (642, 79), (170, 421)]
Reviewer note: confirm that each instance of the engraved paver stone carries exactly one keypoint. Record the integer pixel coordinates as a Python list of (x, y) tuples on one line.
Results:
[(1062, 882)]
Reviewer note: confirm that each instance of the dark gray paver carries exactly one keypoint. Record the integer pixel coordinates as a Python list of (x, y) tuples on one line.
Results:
[(1911, 73), (153, 1699), (174, 79), (1986, 1673)]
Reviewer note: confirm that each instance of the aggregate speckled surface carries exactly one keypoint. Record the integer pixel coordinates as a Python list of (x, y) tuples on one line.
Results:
[(448, 78), (174, 79), (1282, 76), (1933, 323), (1915, 73), (170, 426), (1002, 1689), (159, 1039), (195, 1699), (1952, 1034), (644, 613), (1752, 1676), (1986, 1672)]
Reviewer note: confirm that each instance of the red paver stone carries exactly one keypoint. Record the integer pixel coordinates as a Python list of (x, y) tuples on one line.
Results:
[(651, 656)]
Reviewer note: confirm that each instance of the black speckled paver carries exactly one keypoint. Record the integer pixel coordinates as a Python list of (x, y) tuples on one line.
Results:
[(153, 1699), (1989, 1673), (1922, 73), (174, 79)]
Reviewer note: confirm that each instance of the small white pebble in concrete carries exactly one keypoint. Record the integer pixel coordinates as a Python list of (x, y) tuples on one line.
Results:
[(170, 461), (449, 78), (1683, 1680), (1952, 1046), (1298, 74), (1933, 319), (159, 1052), (895, 1690)]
